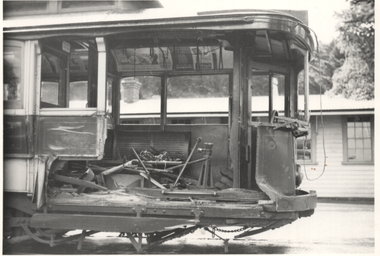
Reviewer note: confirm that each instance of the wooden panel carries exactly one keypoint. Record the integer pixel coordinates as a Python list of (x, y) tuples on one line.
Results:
[(18, 137), (15, 175), (216, 134), (275, 160), (105, 223), (69, 136), (338, 180)]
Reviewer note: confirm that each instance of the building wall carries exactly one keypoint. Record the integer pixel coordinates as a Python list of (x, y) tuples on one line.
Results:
[(337, 180)]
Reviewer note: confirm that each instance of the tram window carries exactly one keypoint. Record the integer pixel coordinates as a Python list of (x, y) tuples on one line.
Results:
[(53, 79), (141, 96), (50, 94), (68, 68), (12, 80), (261, 91), (78, 94), (179, 58), (278, 85), (197, 94), (301, 93)]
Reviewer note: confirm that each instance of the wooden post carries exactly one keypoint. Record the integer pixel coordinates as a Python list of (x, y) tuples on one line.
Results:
[(235, 114)]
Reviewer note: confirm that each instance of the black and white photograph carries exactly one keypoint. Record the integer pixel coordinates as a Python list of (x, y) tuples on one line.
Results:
[(189, 127)]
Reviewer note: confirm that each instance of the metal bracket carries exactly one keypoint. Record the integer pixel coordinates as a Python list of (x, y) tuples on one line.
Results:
[(197, 213), (139, 210)]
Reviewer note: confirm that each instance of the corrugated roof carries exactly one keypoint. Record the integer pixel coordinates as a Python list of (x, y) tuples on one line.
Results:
[(338, 103), (259, 105)]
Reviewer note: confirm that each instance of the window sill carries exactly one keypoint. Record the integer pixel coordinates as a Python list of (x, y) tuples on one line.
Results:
[(357, 163), (301, 162)]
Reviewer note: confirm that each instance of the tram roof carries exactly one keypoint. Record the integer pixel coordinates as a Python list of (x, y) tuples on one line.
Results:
[(157, 20), (152, 16)]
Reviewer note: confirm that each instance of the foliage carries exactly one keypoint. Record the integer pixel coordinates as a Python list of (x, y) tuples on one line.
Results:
[(355, 78), (322, 69), (11, 80)]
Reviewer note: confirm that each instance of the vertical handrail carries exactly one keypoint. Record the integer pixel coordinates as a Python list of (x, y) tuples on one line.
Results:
[(306, 78)]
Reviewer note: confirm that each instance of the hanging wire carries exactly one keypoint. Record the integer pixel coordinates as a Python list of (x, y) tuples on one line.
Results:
[(321, 114)]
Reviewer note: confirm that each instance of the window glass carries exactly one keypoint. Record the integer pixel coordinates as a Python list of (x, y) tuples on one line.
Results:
[(359, 139), (13, 88), (278, 87), (260, 93), (261, 90), (49, 93), (196, 94), (140, 99), (301, 93), (78, 94), (170, 57), (53, 79)]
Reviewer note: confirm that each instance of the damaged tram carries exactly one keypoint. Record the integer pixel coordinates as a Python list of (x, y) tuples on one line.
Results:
[(154, 125)]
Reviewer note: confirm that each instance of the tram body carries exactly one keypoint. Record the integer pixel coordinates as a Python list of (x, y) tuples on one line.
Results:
[(95, 130)]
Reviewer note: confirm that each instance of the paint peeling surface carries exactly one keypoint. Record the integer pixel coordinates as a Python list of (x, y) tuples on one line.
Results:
[(74, 136)]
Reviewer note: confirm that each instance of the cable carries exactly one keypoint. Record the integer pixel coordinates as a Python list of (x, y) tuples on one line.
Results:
[(322, 124)]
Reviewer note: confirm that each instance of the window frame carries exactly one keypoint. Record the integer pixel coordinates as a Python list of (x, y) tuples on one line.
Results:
[(63, 78), (67, 111), (345, 141), (11, 107), (313, 144)]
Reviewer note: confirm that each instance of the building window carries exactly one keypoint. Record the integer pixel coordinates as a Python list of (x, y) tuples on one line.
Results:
[(358, 139), (305, 151)]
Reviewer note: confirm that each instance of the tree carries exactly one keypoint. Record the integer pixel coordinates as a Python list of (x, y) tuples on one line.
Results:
[(322, 69), (355, 78)]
